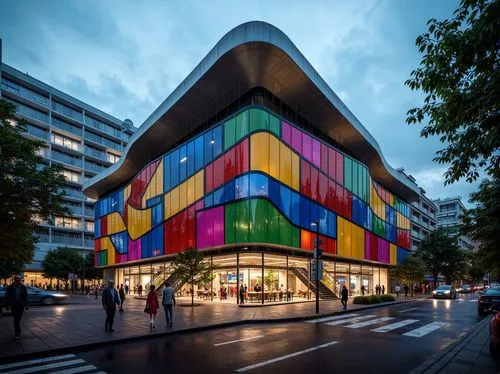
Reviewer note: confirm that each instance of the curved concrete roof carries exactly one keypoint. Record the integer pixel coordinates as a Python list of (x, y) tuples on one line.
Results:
[(253, 54)]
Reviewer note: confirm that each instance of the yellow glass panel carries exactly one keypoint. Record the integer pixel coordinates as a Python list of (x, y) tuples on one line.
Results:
[(106, 244), (139, 222), (166, 206), (183, 196), (340, 236), (199, 185), (393, 250), (344, 237), (259, 152), (115, 223), (285, 165), (174, 201), (126, 192), (190, 190), (155, 186), (274, 157), (358, 241), (391, 199), (295, 171)]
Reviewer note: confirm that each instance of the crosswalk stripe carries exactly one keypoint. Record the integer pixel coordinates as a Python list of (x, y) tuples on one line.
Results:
[(31, 362), (424, 330), (355, 319), (473, 301), (80, 369), (33, 369), (394, 326), (326, 319), (368, 323)]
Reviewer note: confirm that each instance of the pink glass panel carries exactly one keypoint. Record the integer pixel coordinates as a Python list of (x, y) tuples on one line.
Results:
[(201, 238), (286, 132), (218, 222), (367, 245), (297, 140), (210, 227), (307, 146), (383, 250), (316, 153), (134, 249)]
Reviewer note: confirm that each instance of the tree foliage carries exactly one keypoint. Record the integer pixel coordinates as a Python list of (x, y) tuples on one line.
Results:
[(27, 192), (9, 268), (91, 272), (460, 75), (410, 271), (190, 268), (441, 254), (271, 280), (482, 223), (62, 261)]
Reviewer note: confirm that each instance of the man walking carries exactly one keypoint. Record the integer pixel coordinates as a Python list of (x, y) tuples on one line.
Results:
[(122, 297), (16, 297), (110, 300), (345, 295), (406, 288), (398, 290), (167, 301)]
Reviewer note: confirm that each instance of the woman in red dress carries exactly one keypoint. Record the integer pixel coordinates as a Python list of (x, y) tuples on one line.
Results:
[(152, 305)]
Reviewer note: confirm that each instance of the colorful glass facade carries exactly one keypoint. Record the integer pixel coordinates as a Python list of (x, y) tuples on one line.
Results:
[(254, 178)]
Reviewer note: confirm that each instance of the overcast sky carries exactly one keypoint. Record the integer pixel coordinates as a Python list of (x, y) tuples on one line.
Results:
[(126, 57)]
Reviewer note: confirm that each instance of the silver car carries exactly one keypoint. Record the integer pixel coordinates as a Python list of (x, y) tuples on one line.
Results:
[(38, 296), (446, 291)]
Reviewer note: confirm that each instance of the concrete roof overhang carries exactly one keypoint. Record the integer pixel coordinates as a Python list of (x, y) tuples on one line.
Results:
[(253, 54)]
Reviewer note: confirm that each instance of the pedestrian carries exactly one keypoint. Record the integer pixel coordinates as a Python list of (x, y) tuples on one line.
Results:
[(406, 288), (139, 289), (122, 297), (383, 289), (398, 290), (377, 290), (242, 294), (282, 292), (110, 300), (16, 298), (168, 300), (126, 289), (96, 291), (152, 305), (362, 290), (423, 289), (345, 295)]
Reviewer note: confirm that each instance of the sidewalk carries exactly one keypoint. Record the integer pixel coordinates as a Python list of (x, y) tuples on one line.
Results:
[(470, 355), (82, 324)]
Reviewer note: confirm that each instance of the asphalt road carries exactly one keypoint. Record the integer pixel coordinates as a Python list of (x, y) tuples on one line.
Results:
[(389, 340)]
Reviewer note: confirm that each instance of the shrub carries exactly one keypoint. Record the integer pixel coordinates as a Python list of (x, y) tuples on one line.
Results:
[(360, 300), (385, 298), (372, 299)]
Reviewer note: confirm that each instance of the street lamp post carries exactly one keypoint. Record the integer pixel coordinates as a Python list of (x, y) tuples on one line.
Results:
[(316, 257)]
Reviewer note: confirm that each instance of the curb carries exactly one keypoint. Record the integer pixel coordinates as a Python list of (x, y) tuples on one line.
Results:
[(73, 348), (433, 364)]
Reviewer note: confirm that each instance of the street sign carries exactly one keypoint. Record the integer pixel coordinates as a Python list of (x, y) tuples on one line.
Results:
[(313, 270)]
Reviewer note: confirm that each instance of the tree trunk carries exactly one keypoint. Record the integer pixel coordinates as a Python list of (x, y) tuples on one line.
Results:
[(192, 294)]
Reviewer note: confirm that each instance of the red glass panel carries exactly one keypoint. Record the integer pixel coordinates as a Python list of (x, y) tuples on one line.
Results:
[(347, 204), (182, 222), (339, 169), (190, 236), (306, 239), (330, 197), (242, 157), (323, 189), (314, 183), (339, 199), (174, 237), (97, 245), (305, 178), (324, 158), (209, 178), (218, 172), (229, 165), (104, 226), (331, 246), (373, 247), (167, 234)]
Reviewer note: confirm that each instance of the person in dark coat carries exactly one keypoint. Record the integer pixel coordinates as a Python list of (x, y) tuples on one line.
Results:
[(121, 292), (16, 297), (344, 297), (110, 300)]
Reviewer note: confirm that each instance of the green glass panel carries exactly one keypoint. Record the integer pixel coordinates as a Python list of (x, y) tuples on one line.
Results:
[(258, 220), (273, 224), (229, 222), (348, 173), (355, 179), (242, 124), (229, 133), (285, 234), (295, 237), (259, 119), (241, 220), (274, 125), (104, 257)]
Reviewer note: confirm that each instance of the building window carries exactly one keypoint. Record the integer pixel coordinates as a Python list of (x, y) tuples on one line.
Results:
[(113, 158), (67, 222)]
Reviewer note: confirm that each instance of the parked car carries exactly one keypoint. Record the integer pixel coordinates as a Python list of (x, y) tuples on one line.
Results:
[(466, 288), (495, 331), (488, 299), (37, 296), (445, 291)]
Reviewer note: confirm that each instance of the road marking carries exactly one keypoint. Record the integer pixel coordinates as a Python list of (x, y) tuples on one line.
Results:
[(326, 319), (31, 362), (281, 358), (239, 340), (424, 330), (80, 369), (394, 326), (473, 301), (407, 310), (45, 367), (368, 323), (355, 319)]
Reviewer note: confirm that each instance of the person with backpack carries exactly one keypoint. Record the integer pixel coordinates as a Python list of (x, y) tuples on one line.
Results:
[(345, 295), (168, 300)]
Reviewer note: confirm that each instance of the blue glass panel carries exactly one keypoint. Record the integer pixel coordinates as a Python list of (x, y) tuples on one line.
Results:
[(305, 213), (314, 216), (97, 228), (209, 146), (157, 241), (190, 159), (296, 208), (258, 185), (274, 192), (323, 220), (157, 214), (198, 145), (241, 187), (285, 201), (182, 163), (332, 225), (166, 173), (218, 141), (219, 196), (209, 200), (174, 168), (120, 242), (229, 191)]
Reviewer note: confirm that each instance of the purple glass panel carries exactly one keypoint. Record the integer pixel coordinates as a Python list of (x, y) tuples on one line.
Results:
[(367, 245), (297, 140), (218, 221), (316, 153), (383, 250), (307, 146), (286, 132), (134, 249), (201, 240)]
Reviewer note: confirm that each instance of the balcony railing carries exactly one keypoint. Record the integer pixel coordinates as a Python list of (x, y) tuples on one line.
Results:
[(66, 126), (95, 153), (66, 240), (57, 156), (74, 193), (39, 133), (94, 167)]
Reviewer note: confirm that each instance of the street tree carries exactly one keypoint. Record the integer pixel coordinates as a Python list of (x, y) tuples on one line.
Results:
[(9, 268), (91, 272), (28, 192), (410, 271), (191, 268), (460, 76), (482, 223), (441, 254), (61, 261)]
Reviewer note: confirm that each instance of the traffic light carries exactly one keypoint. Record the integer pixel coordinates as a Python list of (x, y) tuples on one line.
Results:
[(318, 251)]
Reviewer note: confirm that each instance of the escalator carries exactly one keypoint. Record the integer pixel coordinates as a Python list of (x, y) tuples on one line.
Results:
[(324, 291)]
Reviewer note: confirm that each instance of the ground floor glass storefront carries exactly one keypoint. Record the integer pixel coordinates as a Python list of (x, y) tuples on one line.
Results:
[(264, 276)]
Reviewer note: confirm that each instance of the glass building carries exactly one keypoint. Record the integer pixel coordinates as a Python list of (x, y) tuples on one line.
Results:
[(81, 139), (250, 158)]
